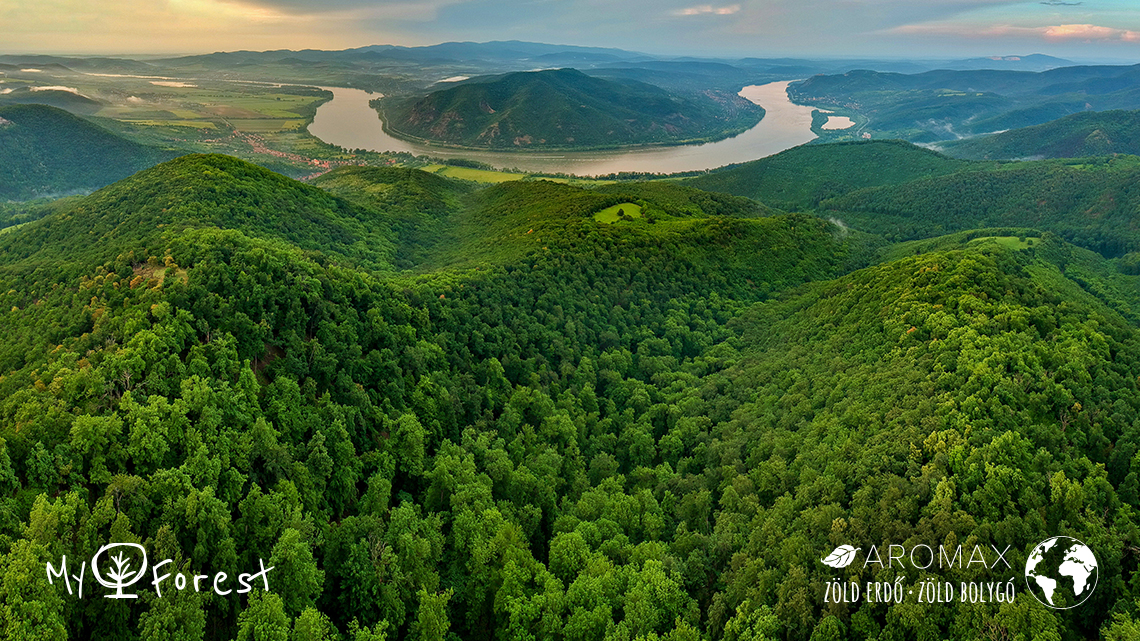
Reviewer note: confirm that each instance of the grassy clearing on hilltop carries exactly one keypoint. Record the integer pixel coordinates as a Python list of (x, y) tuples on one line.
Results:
[(617, 212)]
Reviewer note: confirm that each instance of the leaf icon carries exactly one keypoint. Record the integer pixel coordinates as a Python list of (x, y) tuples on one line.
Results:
[(841, 557)]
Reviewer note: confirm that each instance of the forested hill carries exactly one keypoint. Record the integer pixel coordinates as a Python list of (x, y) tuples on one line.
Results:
[(566, 108), (440, 223), (45, 151), (1090, 202), (631, 427), (1079, 135), (803, 176), (202, 191), (59, 98), (901, 192)]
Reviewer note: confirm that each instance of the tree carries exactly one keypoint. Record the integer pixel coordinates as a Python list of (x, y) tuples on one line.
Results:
[(313, 625), (296, 577), (357, 632), (752, 623), (30, 608), (177, 616), (432, 622), (410, 437), (263, 619)]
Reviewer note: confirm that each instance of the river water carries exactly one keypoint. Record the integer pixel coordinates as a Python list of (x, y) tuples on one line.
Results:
[(349, 122)]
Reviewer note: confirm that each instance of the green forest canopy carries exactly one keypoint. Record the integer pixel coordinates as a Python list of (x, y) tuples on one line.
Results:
[(535, 425)]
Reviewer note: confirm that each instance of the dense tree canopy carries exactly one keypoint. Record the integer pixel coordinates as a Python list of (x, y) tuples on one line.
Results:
[(545, 426)]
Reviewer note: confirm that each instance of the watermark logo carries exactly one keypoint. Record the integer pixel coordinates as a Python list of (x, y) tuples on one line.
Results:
[(119, 574), (841, 557), (118, 566), (1061, 572), (922, 558)]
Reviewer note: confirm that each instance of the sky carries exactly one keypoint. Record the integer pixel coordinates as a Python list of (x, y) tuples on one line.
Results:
[(1083, 30)]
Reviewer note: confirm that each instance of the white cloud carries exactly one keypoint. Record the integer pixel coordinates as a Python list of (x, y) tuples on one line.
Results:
[(405, 10), (1061, 32), (708, 9), (1089, 32)]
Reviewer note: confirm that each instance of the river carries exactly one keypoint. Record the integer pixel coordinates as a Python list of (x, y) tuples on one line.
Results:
[(349, 122)]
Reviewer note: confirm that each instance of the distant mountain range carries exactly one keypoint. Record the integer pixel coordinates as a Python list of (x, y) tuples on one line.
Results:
[(1032, 62), (505, 56), (467, 52), (514, 50)]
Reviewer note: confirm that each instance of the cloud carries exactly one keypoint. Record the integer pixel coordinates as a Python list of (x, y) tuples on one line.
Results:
[(169, 26), (1089, 32), (1060, 33), (1060, 3), (962, 31), (708, 9), (412, 10)]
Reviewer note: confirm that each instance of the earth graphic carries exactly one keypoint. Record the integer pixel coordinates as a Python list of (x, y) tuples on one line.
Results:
[(1061, 572)]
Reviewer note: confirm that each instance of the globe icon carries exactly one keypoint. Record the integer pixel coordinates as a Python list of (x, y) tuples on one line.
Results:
[(1061, 572)]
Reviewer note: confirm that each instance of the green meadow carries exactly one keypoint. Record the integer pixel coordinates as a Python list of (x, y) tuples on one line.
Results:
[(614, 214)]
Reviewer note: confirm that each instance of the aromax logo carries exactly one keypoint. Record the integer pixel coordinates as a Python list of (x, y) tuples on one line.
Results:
[(1060, 572)]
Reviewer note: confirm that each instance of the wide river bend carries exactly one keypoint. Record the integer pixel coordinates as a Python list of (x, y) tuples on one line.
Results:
[(349, 122)]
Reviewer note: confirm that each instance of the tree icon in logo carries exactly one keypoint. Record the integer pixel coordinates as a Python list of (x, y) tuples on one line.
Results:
[(120, 574)]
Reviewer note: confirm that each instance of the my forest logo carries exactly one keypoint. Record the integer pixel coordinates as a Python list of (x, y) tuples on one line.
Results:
[(118, 566), (1060, 572)]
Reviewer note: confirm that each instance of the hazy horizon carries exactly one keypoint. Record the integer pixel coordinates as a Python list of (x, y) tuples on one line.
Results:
[(655, 54), (1095, 30)]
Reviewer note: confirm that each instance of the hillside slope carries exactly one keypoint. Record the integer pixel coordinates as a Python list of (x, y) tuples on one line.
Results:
[(58, 98), (47, 151), (201, 191), (1075, 136), (418, 206), (1091, 203), (925, 400), (803, 176), (443, 223)]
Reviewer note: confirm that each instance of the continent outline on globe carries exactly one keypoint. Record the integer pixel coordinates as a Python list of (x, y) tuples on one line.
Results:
[(1077, 562)]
